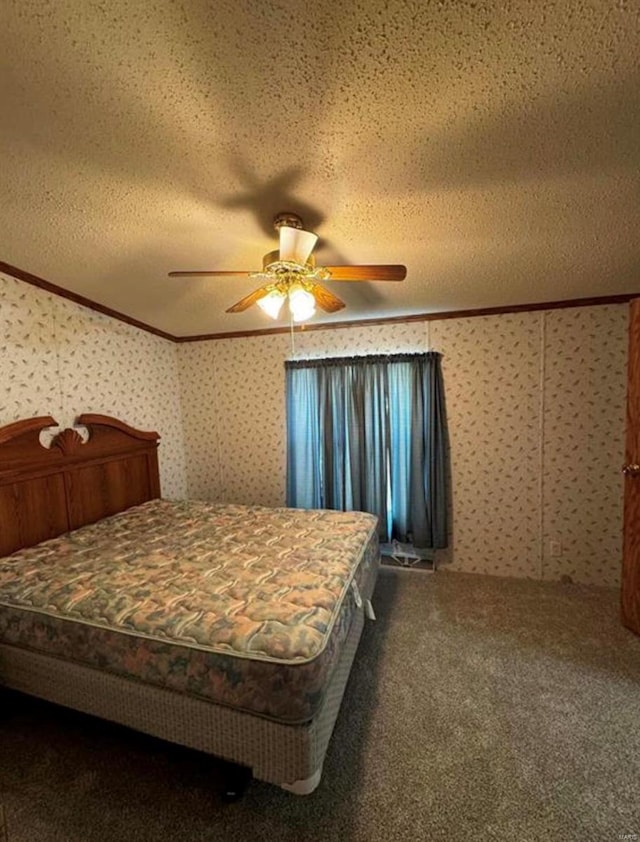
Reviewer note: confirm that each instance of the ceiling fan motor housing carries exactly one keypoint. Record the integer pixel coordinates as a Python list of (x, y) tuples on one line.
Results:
[(291, 220), (272, 259)]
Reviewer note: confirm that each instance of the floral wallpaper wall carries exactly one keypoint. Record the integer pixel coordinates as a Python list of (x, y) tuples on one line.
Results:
[(234, 426), (535, 403), (491, 368), (584, 423), (60, 359)]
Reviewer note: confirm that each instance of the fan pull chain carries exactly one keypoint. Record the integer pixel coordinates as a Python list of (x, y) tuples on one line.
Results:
[(293, 343)]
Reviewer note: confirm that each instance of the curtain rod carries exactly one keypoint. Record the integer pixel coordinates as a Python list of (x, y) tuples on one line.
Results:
[(361, 359)]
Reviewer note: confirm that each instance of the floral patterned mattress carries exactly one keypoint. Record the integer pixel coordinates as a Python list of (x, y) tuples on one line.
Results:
[(243, 606)]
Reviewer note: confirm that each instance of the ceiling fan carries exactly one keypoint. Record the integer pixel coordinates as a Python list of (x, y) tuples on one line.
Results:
[(290, 274)]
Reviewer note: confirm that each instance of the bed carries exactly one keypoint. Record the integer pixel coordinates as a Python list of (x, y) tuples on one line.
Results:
[(225, 628)]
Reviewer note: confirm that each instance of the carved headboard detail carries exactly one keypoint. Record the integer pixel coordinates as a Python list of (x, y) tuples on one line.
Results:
[(69, 441), (46, 491)]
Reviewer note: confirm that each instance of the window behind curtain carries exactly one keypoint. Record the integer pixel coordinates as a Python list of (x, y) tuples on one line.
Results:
[(368, 434)]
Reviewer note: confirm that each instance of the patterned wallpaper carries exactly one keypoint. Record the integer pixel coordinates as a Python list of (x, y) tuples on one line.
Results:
[(234, 428), (528, 396), (491, 370), (584, 422), (60, 359)]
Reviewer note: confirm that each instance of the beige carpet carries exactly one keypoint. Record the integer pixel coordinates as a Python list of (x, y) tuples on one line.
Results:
[(479, 708)]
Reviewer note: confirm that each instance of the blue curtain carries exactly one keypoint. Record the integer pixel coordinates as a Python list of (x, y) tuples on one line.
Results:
[(369, 434), (304, 442), (418, 447)]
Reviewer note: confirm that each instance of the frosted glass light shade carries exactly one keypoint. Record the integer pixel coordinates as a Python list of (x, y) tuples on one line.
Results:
[(301, 303), (296, 245), (272, 303)]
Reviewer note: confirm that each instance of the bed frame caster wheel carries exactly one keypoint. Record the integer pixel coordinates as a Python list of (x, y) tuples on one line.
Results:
[(236, 782)]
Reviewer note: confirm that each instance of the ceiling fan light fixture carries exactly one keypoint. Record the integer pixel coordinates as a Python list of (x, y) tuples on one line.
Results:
[(302, 304), (271, 303)]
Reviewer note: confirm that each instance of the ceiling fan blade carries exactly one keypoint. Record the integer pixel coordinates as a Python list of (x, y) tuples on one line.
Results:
[(205, 273), (326, 299), (296, 245), (248, 300), (389, 272)]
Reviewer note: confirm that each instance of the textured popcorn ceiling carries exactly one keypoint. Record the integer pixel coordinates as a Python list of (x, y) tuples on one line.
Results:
[(492, 147)]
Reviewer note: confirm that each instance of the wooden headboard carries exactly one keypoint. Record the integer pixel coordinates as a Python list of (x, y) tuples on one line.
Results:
[(46, 491)]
